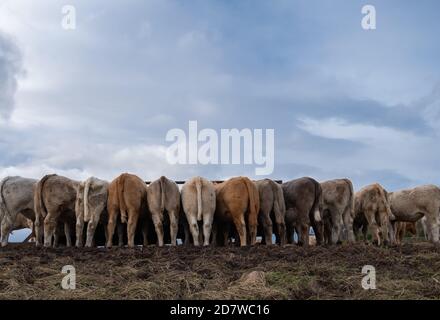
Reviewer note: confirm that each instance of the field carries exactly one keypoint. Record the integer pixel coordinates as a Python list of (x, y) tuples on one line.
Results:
[(411, 271)]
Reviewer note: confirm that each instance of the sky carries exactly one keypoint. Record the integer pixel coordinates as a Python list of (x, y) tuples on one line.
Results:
[(100, 99)]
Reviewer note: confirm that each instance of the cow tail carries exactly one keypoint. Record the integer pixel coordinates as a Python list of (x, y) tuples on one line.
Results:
[(3, 206), (199, 198), (279, 205), (122, 205), (86, 200), (318, 203), (254, 202), (350, 187), (162, 194), (40, 208)]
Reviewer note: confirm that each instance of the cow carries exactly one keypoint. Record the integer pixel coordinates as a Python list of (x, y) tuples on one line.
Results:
[(16, 197), (303, 199), (372, 206), (338, 210), (127, 200), (164, 195), (54, 202), (237, 202), (198, 202), (271, 204), (411, 205), (90, 207)]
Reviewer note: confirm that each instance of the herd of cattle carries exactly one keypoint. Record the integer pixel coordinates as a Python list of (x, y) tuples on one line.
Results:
[(88, 213)]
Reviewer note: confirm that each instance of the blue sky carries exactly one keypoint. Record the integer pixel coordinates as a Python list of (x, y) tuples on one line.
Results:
[(99, 100)]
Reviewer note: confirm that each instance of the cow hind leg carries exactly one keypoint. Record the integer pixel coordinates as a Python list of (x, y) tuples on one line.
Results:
[(158, 226), (6, 229), (432, 223), (91, 227), (207, 227), (50, 224), (303, 236), (111, 225), (240, 227), (79, 232), (39, 230), (267, 226), (337, 227), (67, 234), (174, 225), (131, 226), (194, 228)]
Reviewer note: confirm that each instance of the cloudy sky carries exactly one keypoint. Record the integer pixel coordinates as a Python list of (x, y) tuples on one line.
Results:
[(99, 100)]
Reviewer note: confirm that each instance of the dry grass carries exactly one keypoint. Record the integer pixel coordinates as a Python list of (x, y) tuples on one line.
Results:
[(411, 271)]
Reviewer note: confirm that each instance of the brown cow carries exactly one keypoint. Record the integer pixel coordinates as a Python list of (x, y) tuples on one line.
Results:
[(198, 201), (303, 198), (127, 198), (164, 195), (272, 202), (338, 210), (372, 206), (238, 202), (54, 200)]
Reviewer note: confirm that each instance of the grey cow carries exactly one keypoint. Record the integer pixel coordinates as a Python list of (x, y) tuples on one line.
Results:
[(198, 202), (338, 210), (272, 202), (413, 204), (16, 196), (303, 198), (91, 203), (54, 201), (163, 195)]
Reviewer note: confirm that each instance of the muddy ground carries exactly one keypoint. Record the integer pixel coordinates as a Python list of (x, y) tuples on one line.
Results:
[(411, 271)]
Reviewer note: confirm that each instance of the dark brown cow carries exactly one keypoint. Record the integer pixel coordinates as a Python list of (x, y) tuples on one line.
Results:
[(127, 197), (303, 198), (237, 202)]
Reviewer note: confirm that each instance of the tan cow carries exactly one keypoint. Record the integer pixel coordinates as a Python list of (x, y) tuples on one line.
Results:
[(164, 195), (127, 199), (372, 206), (338, 210), (272, 203), (412, 204), (237, 202), (54, 200), (198, 201), (91, 203)]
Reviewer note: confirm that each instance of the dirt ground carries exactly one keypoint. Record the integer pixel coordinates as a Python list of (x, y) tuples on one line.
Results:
[(411, 271)]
